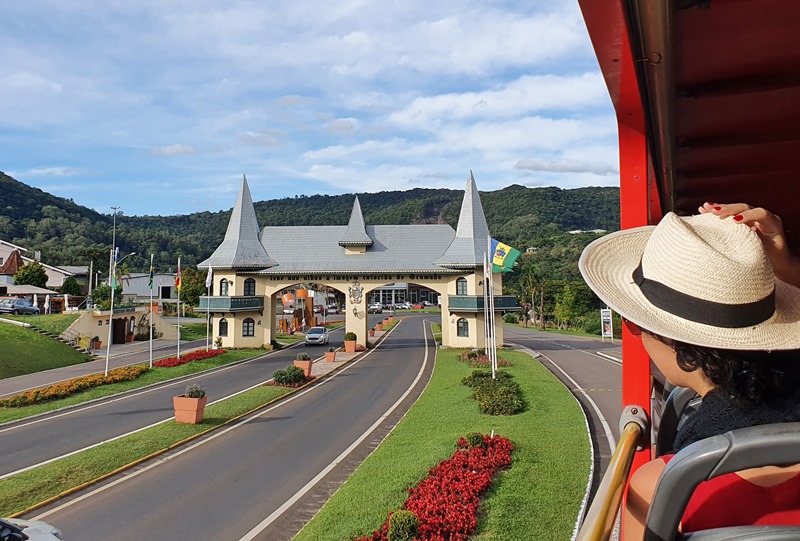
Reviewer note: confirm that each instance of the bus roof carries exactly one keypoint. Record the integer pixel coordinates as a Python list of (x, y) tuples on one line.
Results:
[(715, 84)]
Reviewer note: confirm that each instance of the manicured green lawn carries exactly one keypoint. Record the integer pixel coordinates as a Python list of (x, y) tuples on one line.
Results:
[(537, 498), (193, 331), (28, 488), (154, 375), (24, 351)]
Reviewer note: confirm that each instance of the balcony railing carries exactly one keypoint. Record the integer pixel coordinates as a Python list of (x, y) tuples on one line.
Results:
[(231, 304), (474, 303)]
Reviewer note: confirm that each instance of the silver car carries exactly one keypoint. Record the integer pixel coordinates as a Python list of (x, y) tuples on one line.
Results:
[(15, 529), (17, 306), (317, 335)]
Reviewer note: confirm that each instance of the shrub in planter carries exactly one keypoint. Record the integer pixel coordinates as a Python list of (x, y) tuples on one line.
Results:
[(403, 526), (289, 376), (195, 391), (349, 336), (303, 357)]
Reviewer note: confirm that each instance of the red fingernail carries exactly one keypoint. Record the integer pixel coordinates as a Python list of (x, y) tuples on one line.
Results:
[(738, 217), (709, 203), (717, 208)]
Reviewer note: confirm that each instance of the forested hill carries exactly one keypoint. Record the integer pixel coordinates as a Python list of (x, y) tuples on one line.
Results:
[(67, 233)]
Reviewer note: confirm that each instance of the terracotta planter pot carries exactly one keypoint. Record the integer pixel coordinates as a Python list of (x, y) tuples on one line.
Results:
[(189, 410), (378, 327), (390, 319), (350, 346), (330, 356), (371, 333), (305, 366)]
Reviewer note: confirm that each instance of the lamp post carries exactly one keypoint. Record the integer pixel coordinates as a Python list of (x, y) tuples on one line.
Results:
[(111, 283)]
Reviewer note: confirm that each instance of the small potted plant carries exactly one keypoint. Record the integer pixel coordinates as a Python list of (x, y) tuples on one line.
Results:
[(190, 406), (330, 355), (372, 332), (304, 362), (379, 326), (350, 342), (218, 342)]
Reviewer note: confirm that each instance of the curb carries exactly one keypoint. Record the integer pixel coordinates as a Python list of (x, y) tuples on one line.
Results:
[(193, 437)]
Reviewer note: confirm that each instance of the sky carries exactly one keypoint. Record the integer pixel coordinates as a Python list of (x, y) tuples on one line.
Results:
[(159, 107)]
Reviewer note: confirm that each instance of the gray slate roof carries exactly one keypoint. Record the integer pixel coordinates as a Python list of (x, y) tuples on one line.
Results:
[(356, 234), (470, 243), (241, 247), (395, 248)]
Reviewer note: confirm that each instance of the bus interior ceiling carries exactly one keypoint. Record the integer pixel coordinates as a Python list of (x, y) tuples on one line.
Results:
[(721, 80)]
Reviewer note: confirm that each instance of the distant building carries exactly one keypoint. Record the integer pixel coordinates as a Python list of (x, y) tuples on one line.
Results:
[(253, 265), (10, 264), (578, 231)]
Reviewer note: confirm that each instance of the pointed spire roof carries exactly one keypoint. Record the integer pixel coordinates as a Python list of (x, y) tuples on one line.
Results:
[(356, 233), (241, 247), (470, 242)]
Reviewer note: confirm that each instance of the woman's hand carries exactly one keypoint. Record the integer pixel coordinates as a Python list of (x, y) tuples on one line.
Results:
[(770, 228)]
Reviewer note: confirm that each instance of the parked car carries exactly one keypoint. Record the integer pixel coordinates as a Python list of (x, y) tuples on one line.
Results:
[(288, 310), (318, 309), (317, 335), (418, 306), (17, 306), (332, 309), (375, 308), (15, 529)]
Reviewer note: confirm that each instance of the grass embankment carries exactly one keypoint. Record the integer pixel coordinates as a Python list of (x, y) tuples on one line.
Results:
[(29, 488), (154, 375), (24, 351), (193, 331), (538, 498)]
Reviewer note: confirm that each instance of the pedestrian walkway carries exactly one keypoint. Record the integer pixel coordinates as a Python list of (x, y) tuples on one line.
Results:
[(119, 355)]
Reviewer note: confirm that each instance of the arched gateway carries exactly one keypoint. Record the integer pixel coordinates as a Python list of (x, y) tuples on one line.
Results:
[(250, 267)]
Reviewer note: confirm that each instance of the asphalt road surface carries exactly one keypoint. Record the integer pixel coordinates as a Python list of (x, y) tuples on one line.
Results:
[(266, 476), (247, 481), (592, 370)]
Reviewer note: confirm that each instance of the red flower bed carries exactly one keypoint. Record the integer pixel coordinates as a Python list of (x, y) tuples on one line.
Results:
[(446, 502), (481, 360), (189, 357)]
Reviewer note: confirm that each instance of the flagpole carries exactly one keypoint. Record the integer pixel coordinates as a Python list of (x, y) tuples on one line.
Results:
[(150, 322), (487, 304), (178, 286), (112, 271), (209, 280)]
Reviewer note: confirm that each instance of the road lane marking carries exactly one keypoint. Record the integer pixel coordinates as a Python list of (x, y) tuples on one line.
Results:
[(166, 458), (608, 358), (313, 482)]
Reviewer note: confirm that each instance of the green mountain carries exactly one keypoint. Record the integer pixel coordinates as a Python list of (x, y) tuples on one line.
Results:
[(69, 234)]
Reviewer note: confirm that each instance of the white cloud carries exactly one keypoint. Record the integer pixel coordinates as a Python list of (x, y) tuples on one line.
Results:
[(174, 150), (61, 171), (301, 96), (568, 166)]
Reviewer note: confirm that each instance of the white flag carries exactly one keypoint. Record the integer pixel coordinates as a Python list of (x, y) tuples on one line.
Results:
[(209, 278)]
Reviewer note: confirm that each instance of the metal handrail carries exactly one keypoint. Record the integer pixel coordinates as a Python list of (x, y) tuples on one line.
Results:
[(602, 514)]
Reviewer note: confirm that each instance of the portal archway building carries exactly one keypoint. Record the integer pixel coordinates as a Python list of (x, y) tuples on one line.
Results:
[(252, 265)]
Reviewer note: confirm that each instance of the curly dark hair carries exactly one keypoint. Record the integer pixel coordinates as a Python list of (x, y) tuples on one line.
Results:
[(742, 376)]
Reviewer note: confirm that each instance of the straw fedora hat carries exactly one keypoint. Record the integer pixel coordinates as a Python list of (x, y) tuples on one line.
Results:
[(699, 279)]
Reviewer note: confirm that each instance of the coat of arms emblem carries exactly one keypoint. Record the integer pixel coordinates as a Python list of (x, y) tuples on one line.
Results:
[(356, 291)]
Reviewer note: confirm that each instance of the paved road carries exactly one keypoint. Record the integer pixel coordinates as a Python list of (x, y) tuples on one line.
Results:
[(120, 355), (583, 364), (231, 485)]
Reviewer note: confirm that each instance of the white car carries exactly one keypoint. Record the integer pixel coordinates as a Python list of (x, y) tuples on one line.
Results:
[(15, 529), (375, 308), (317, 335), (288, 310)]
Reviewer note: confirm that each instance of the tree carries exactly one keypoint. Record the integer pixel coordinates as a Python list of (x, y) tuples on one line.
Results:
[(70, 286), (193, 284), (31, 274), (565, 306)]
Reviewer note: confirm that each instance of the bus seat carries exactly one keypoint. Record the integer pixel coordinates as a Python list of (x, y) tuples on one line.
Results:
[(753, 447), (679, 401)]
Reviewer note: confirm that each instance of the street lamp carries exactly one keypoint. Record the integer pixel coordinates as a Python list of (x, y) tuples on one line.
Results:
[(111, 274)]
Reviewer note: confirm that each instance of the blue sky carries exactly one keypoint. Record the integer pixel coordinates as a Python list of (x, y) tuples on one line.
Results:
[(159, 107)]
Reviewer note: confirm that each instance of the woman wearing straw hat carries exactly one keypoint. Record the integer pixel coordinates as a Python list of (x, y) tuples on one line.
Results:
[(701, 294)]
